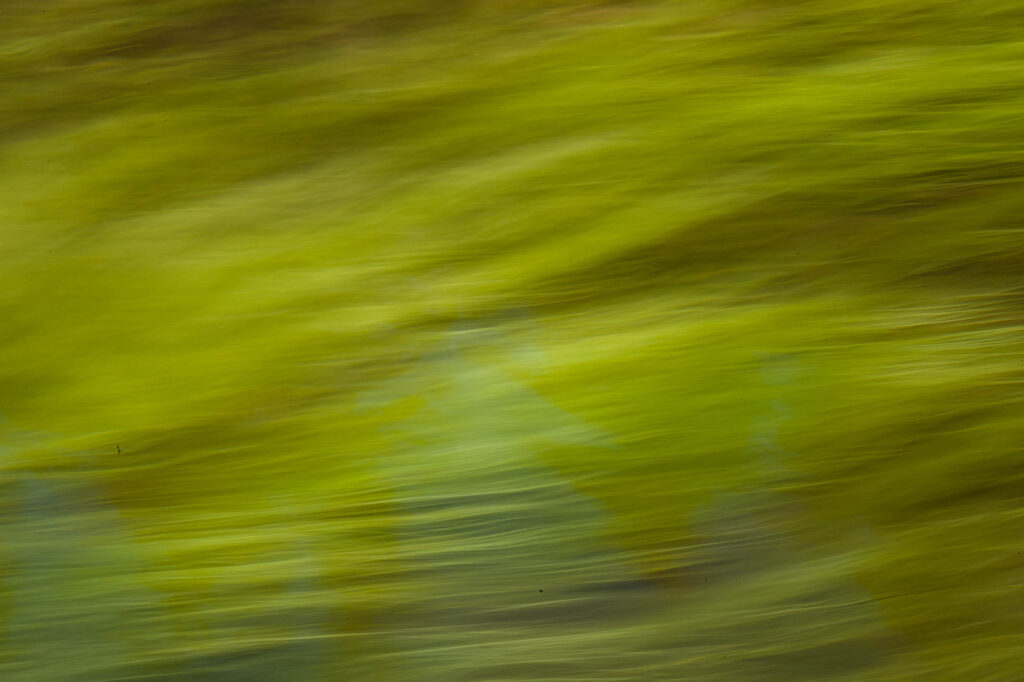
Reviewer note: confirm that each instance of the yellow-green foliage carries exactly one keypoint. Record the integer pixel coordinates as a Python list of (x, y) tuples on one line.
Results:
[(495, 340)]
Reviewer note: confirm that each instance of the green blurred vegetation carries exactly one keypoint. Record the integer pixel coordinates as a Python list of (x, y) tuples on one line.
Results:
[(494, 340)]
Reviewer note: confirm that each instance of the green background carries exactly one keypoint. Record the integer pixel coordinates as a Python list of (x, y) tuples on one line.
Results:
[(489, 340)]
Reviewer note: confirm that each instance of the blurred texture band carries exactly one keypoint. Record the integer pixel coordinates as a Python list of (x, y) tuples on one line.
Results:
[(487, 340)]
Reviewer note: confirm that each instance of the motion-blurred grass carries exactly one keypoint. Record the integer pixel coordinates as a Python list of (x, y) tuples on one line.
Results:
[(494, 340)]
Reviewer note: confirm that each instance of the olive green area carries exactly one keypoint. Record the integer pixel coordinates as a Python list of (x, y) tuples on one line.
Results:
[(487, 340)]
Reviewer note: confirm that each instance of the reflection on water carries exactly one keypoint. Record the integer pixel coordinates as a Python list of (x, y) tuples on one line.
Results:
[(505, 561), (76, 608), (503, 545)]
